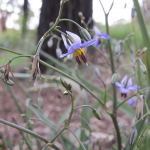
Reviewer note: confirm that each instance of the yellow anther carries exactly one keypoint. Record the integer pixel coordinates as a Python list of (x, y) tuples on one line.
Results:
[(99, 37), (81, 50), (75, 54)]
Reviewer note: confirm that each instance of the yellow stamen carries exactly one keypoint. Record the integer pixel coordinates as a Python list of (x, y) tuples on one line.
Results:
[(79, 52), (82, 50), (99, 37), (75, 54)]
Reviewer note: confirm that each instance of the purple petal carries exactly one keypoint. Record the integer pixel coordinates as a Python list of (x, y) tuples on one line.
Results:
[(131, 101), (97, 44), (75, 46), (63, 55), (65, 42), (70, 51), (119, 84), (97, 31), (135, 87), (75, 37), (124, 80), (104, 35), (124, 90), (130, 82), (86, 44)]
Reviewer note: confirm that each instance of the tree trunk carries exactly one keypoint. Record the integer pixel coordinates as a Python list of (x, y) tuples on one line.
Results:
[(49, 13)]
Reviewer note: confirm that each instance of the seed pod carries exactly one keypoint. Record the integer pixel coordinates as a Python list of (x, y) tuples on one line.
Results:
[(58, 52), (114, 78), (84, 34), (96, 72), (132, 136), (96, 114), (143, 68), (140, 141), (8, 82), (139, 108)]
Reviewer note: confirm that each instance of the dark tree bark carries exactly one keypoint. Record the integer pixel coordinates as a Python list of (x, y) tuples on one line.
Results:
[(49, 13)]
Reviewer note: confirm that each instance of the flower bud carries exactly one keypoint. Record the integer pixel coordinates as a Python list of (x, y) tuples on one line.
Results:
[(96, 72), (65, 93), (69, 57), (117, 48), (21, 142), (140, 141), (132, 136), (58, 52), (132, 12), (84, 34), (80, 14), (144, 50), (114, 78), (63, 82), (143, 68), (50, 42), (96, 114), (40, 101)]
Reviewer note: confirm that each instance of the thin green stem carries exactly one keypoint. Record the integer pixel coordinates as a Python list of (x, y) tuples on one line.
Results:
[(102, 7), (4, 49), (124, 102), (20, 56), (77, 138), (64, 19), (148, 88), (58, 134), (124, 67), (84, 106)]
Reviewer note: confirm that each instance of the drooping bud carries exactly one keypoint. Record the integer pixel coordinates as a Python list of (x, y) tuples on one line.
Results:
[(50, 42), (117, 48), (40, 101), (63, 82), (80, 14), (132, 12), (58, 52), (84, 34), (96, 114), (143, 68), (114, 78), (96, 72), (21, 142), (140, 141), (65, 93), (144, 50), (132, 136)]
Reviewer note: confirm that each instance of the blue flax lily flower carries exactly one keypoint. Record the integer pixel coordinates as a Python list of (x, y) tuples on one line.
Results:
[(75, 47), (98, 36), (131, 101), (126, 86)]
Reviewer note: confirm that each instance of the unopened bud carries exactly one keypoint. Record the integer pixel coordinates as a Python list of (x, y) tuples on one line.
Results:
[(21, 142), (96, 114), (84, 34), (132, 136), (140, 141), (144, 50), (51, 24), (40, 101), (69, 57), (143, 68), (63, 82), (117, 48), (80, 14), (96, 72), (132, 12), (50, 42), (114, 78), (65, 93), (58, 52)]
